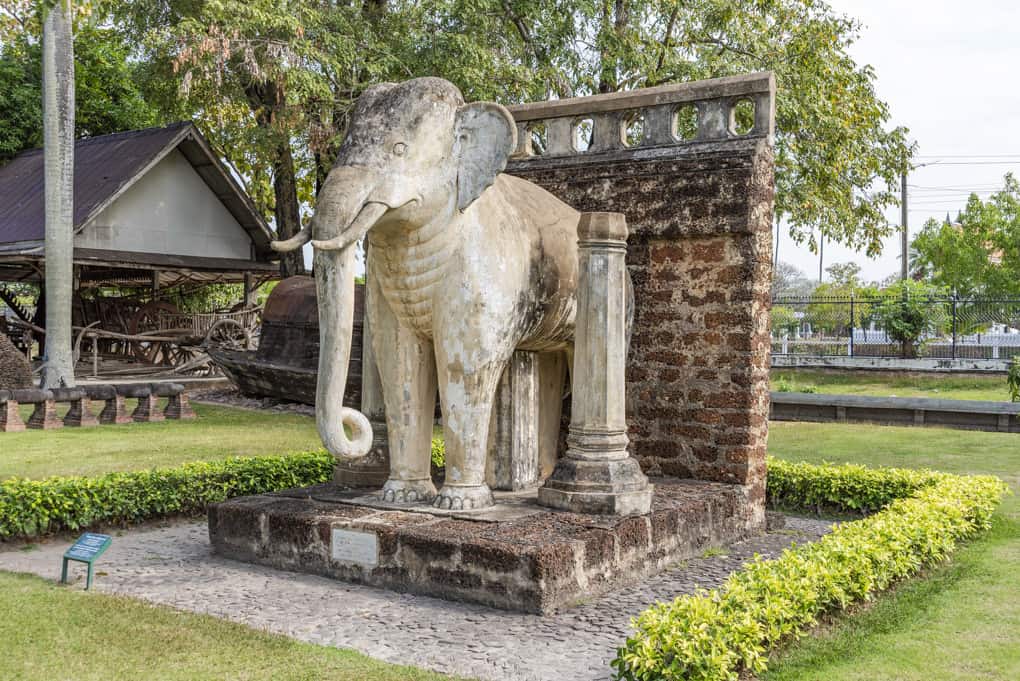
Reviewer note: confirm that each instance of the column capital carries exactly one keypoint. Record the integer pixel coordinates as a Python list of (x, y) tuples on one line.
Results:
[(596, 227)]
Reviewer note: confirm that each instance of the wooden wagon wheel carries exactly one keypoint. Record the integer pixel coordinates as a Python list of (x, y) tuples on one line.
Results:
[(147, 319), (229, 334)]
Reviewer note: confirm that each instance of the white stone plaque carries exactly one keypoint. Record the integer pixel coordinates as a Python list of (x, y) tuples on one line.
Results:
[(353, 546)]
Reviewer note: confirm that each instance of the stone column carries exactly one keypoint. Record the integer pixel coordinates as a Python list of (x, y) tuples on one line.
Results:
[(597, 475), (513, 462), (373, 469)]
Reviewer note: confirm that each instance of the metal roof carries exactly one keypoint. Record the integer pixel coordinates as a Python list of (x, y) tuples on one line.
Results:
[(105, 167)]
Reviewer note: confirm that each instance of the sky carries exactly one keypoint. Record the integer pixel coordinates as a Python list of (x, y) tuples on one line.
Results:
[(950, 72)]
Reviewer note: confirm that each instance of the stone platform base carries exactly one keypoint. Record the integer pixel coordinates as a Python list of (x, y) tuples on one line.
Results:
[(515, 555)]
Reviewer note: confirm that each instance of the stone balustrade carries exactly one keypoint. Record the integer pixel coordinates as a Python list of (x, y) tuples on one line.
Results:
[(79, 414), (667, 116)]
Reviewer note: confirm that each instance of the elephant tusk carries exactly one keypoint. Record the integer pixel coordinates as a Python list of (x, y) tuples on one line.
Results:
[(293, 243), (368, 216)]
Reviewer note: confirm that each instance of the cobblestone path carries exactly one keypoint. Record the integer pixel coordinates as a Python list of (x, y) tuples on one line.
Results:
[(173, 565)]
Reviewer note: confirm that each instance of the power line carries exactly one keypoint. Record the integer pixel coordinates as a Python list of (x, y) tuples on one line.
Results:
[(967, 156), (939, 164), (986, 185)]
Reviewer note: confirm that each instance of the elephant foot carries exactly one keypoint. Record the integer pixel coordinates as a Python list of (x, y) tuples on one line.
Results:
[(408, 491), (463, 497)]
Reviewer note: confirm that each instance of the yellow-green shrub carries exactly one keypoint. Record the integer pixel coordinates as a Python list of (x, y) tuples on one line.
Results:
[(712, 635), (33, 507), (844, 488)]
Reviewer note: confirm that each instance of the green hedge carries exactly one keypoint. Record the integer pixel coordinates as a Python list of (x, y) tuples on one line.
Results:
[(33, 507), (845, 488), (713, 635)]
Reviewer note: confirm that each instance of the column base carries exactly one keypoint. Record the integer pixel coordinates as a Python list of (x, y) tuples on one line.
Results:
[(80, 414), (44, 417), (114, 411), (10, 418), (615, 487)]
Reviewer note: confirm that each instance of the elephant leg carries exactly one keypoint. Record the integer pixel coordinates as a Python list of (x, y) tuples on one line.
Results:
[(467, 395), (407, 370)]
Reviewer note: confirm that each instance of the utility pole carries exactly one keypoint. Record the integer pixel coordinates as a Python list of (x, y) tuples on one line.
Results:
[(821, 255), (903, 222)]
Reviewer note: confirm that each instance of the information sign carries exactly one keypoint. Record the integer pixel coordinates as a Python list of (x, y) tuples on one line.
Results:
[(86, 550)]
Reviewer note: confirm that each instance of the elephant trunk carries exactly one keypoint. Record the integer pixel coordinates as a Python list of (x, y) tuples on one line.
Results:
[(334, 283)]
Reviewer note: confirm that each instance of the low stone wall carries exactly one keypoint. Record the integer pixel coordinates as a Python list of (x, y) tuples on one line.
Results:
[(932, 365), (1002, 417), (518, 556)]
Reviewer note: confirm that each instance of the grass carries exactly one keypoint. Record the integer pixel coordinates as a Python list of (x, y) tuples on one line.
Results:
[(50, 632), (218, 432), (962, 621), (878, 385)]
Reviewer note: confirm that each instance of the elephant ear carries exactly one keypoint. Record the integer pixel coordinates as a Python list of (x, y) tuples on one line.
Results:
[(485, 136)]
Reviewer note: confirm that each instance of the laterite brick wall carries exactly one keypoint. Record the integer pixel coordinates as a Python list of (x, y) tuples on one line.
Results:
[(699, 253)]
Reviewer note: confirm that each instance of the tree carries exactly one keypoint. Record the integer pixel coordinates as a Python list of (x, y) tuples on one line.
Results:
[(845, 275), (909, 310), (58, 161), (784, 320), (830, 309), (979, 254), (272, 79), (107, 97), (837, 165), (275, 81), (789, 281)]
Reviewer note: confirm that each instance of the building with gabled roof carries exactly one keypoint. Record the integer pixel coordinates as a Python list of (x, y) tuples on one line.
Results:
[(151, 207)]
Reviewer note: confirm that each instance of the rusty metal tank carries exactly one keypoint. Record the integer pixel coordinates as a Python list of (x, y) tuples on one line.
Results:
[(286, 362)]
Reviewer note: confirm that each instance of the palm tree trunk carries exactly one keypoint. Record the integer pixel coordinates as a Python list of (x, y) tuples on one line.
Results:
[(58, 159)]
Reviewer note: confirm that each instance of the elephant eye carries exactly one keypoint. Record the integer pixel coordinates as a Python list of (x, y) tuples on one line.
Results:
[(399, 148)]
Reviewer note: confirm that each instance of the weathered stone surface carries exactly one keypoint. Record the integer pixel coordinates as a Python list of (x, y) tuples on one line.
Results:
[(538, 562), (373, 469), (699, 257), (178, 406), (514, 437), (597, 475), (80, 413), (467, 265), (15, 370), (147, 410), (44, 416), (10, 416), (114, 410), (575, 644)]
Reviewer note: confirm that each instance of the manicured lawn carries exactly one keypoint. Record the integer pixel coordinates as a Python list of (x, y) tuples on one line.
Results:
[(962, 622), (218, 432), (877, 385), (50, 632)]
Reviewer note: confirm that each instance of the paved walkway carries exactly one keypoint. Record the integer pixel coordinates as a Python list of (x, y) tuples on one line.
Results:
[(173, 565)]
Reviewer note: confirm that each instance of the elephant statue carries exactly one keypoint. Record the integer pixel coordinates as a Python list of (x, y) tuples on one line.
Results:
[(466, 266)]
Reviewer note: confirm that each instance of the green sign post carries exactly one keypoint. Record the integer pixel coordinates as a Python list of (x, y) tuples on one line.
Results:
[(86, 550)]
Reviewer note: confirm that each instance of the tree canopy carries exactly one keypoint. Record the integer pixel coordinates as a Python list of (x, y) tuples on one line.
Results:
[(979, 254), (273, 81), (108, 97)]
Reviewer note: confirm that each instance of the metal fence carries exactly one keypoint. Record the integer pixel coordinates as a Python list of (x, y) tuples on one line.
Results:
[(950, 328)]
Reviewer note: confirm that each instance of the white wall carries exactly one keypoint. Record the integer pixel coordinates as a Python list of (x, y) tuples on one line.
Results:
[(169, 210)]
